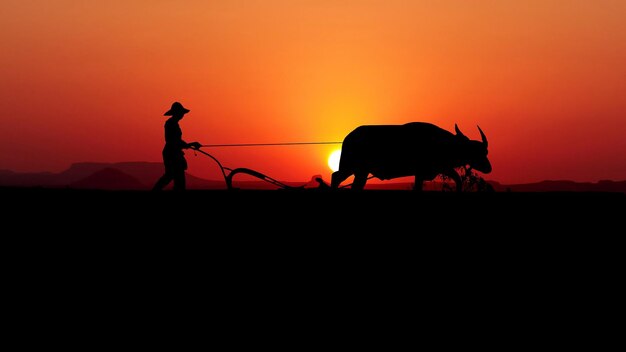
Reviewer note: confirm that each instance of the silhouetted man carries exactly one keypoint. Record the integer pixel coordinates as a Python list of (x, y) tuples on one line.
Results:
[(173, 155)]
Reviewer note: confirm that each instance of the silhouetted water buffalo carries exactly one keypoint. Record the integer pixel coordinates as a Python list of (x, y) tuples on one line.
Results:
[(415, 149)]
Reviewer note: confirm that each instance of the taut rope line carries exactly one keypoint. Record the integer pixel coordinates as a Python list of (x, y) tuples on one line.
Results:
[(266, 144)]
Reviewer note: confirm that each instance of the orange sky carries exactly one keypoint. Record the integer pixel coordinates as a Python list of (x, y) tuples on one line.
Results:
[(90, 80)]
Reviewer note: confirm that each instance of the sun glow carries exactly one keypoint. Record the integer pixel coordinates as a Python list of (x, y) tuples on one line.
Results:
[(333, 160)]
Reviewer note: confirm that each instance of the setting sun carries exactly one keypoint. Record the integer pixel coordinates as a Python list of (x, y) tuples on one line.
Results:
[(333, 160)]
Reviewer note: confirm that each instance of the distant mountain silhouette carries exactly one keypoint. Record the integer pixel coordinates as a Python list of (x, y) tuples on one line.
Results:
[(108, 179), (94, 175), (145, 172), (563, 186), (75, 173), (11, 178), (142, 175)]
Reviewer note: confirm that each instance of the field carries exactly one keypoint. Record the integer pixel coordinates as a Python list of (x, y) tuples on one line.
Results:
[(523, 252), (341, 213)]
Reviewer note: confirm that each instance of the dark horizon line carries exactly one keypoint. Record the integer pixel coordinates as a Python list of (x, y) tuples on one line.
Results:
[(375, 181)]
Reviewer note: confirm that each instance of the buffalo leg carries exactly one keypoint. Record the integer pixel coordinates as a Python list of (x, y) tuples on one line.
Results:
[(338, 177), (419, 184), (360, 178), (457, 179)]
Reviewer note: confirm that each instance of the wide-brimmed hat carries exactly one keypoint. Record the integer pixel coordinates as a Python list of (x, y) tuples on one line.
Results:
[(176, 108)]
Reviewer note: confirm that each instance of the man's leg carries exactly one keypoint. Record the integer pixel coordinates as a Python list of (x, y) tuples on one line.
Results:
[(162, 182), (179, 180)]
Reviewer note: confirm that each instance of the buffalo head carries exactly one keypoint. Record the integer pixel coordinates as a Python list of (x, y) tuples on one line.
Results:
[(475, 152)]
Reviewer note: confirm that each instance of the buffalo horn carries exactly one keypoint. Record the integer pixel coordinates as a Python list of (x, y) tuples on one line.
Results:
[(482, 135), (458, 131)]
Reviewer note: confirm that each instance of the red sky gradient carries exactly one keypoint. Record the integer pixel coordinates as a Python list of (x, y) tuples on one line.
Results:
[(90, 80)]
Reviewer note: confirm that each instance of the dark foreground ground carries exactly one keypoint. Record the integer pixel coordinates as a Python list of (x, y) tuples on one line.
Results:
[(316, 227), (315, 213), (524, 267), (375, 224), (319, 227)]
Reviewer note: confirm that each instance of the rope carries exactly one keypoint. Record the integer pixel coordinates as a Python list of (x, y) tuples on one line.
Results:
[(256, 173), (266, 144)]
